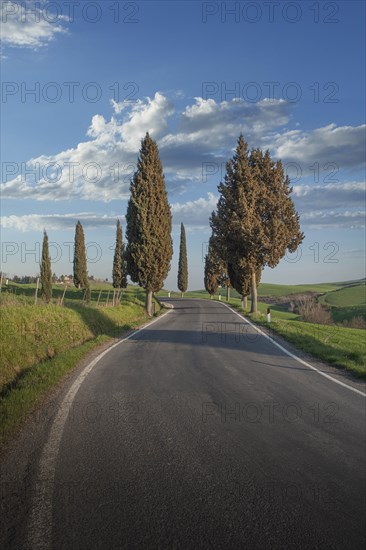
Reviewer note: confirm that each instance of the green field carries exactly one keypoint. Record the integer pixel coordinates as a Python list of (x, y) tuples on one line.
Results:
[(346, 303), (274, 290), (24, 293), (266, 289), (346, 297)]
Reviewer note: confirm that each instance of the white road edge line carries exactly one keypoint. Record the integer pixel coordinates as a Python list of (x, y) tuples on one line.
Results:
[(359, 392), (293, 355), (39, 531)]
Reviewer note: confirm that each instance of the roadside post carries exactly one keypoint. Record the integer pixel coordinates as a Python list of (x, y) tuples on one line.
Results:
[(36, 292), (268, 315), (63, 296)]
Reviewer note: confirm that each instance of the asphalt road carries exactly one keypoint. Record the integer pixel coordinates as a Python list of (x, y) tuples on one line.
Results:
[(197, 432)]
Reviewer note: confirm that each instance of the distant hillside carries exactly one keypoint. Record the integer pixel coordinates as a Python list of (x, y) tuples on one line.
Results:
[(273, 290), (353, 295)]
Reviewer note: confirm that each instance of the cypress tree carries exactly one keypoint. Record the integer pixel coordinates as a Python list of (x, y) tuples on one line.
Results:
[(46, 272), (215, 273), (221, 258), (255, 220), (211, 275), (149, 223), (240, 277), (239, 273), (277, 219), (80, 268), (183, 262), (119, 275)]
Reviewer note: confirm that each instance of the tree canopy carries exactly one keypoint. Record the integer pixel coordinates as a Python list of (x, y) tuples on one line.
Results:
[(255, 221)]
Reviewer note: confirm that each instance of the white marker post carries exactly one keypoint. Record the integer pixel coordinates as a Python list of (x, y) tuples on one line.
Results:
[(268, 315)]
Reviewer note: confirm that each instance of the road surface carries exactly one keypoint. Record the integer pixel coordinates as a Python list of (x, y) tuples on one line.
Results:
[(196, 432)]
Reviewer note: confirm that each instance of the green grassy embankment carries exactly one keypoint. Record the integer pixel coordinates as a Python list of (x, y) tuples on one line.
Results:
[(41, 343)]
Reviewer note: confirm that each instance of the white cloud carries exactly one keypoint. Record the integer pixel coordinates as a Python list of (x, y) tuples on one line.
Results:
[(234, 116), (21, 28), (330, 219), (191, 213), (342, 145), (207, 131), (331, 206), (150, 116), (98, 169), (38, 222), (194, 212), (101, 167), (334, 195)]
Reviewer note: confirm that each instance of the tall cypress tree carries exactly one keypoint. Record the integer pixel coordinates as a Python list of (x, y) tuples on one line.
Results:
[(183, 262), (255, 219), (119, 275), (276, 216), (46, 272), (149, 223), (80, 266)]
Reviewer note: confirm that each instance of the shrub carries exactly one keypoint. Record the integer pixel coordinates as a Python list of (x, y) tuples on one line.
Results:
[(355, 322), (313, 312)]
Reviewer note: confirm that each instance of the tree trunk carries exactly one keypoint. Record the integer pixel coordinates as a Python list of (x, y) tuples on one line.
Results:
[(181, 294), (254, 308), (244, 302), (148, 301), (227, 293)]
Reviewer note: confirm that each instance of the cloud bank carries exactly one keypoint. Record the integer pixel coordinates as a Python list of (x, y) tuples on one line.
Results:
[(100, 168)]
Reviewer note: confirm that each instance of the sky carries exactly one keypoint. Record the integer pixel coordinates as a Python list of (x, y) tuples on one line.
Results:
[(83, 81)]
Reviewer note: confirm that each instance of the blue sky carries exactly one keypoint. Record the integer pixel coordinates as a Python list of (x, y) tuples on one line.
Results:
[(289, 75)]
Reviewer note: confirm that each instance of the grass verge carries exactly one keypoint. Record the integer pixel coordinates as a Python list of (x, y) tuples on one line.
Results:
[(338, 346), (28, 392), (41, 344)]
